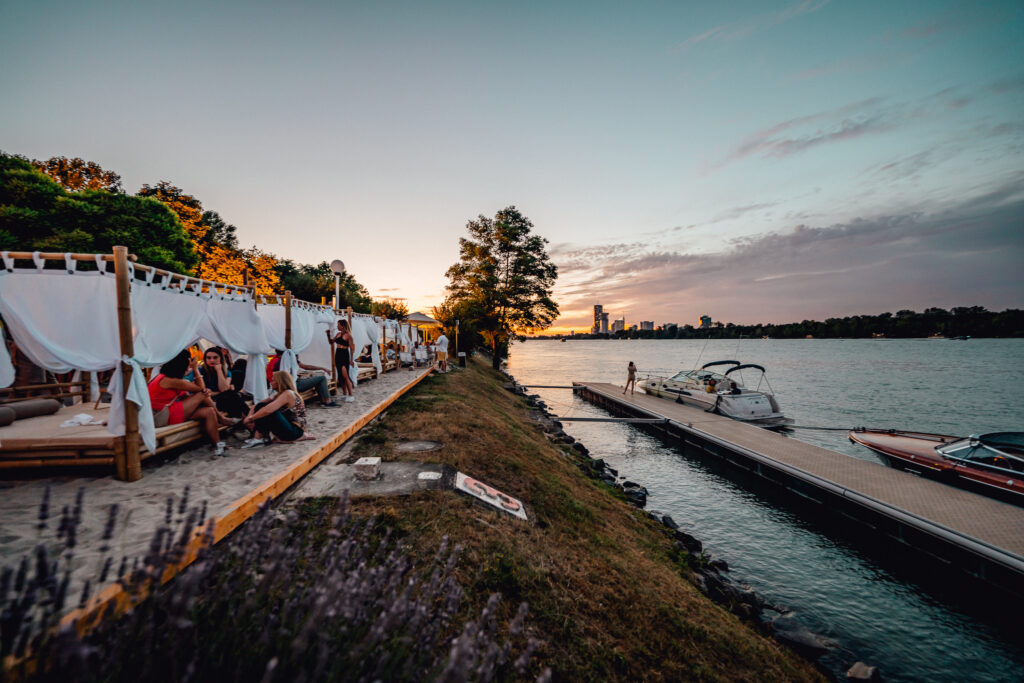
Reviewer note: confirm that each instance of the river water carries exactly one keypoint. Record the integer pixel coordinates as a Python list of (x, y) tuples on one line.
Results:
[(849, 590)]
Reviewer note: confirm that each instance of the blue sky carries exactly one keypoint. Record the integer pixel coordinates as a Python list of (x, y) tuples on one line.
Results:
[(755, 161)]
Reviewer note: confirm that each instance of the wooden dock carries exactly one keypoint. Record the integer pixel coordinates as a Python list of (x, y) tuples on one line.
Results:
[(980, 535)]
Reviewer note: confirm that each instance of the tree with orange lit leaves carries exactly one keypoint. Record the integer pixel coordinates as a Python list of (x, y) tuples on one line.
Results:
[(216, 243), (262, 271)]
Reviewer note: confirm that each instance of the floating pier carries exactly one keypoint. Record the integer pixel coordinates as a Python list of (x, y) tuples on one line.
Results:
[(959, 529)]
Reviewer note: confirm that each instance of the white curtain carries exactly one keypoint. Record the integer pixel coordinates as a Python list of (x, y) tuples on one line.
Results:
[(6, 367), (365, 333), (303, 327), (373, 331), (164, 322), (236, 326), (65, 321), (319, 350)]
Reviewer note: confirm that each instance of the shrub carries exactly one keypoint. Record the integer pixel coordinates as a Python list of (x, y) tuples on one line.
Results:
[(332, 598)]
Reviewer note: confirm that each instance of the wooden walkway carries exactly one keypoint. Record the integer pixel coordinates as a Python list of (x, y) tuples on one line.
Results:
[(979, 525), (233, 486)]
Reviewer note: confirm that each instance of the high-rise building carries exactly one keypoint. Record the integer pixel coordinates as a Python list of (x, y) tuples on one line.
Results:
[(647, 325), (705, 322), (598, 309), (604, 323), (619, 325)]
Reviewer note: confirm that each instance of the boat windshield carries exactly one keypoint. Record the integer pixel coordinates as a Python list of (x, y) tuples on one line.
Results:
[(1003, 450), (697, 376)]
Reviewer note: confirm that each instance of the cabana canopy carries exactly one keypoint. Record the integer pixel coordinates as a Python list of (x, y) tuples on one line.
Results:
[(67, 319), (418, 319)]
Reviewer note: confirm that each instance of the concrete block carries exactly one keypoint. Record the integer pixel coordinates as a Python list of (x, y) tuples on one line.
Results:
[(367, 469)]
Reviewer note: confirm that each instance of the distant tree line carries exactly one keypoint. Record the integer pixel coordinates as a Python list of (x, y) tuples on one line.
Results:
[(75, 205), (962, 321)]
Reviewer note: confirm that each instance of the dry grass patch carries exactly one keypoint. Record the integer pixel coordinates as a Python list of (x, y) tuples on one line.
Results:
[(605, 595)]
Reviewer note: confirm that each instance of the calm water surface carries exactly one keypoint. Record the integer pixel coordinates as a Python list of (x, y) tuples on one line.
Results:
[(871, 606)]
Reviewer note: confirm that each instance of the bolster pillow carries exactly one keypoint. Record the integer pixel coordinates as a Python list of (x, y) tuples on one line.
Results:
[(7, 416), (34, 408)]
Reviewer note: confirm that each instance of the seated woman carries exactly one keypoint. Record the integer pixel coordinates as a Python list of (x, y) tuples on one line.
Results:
[(365, 356), (174, 400), (217, 378), (283, 416)]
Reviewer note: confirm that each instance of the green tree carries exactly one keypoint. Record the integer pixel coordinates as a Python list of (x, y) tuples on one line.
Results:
[(78, 174), (37, 213), (393, 309), (219, 231), (505, 271), (313, 283)]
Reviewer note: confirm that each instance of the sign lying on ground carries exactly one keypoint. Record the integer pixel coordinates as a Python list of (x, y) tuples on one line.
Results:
[(490, 495)]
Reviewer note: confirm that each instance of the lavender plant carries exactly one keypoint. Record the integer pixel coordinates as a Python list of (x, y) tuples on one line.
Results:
[(328, 598)]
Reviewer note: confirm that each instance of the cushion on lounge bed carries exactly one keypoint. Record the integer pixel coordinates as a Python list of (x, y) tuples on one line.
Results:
[(34, 408)]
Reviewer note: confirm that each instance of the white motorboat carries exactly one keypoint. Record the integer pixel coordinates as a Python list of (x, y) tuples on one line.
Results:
[(721, 393)]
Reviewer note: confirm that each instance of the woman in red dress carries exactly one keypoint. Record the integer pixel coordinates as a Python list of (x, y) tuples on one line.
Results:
[(175, 400)]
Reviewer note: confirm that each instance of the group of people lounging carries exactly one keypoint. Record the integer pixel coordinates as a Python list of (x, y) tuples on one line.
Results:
[(207, 387), (212, 393)]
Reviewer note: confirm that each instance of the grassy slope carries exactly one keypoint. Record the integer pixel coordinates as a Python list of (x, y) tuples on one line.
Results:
[(604, 594)]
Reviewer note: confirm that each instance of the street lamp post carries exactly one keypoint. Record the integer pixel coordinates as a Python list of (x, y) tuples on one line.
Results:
[(339, 269)]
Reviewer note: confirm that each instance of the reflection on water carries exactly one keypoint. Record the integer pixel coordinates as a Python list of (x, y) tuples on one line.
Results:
[(838, 587)]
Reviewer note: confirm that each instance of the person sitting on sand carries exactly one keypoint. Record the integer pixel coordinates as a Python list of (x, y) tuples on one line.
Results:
[(174, 400), (281, 417), (217, 378)]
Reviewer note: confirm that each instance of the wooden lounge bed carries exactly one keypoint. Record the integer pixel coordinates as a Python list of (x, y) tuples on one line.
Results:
[(41, 441)]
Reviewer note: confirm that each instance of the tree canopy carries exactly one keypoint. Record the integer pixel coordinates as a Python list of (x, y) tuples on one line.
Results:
[(314, 283), (216, 242), (66, 204), (504, 279), (394, 309), (79, 174), (37, 213)]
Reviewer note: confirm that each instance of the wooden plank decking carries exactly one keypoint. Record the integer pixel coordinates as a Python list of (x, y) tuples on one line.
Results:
[(972, 519)]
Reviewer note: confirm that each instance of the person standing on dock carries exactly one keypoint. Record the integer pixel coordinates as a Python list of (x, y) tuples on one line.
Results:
[(630, 379)]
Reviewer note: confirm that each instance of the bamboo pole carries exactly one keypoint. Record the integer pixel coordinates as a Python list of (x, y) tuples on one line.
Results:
[(127, 457), (288, 319), (51, 256)]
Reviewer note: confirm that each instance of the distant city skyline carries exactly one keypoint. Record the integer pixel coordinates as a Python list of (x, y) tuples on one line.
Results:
[(764, 161)]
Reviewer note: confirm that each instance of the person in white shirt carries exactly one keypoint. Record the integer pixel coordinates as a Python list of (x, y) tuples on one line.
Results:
[(442, 352)]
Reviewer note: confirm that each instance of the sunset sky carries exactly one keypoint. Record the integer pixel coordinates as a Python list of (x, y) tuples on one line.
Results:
[(755, 161)]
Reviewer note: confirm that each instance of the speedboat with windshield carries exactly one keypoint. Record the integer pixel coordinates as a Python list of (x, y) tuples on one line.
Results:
[(722, 392), (992, 464)]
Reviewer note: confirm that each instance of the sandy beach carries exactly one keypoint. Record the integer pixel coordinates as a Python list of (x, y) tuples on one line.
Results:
[(143, 505)]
